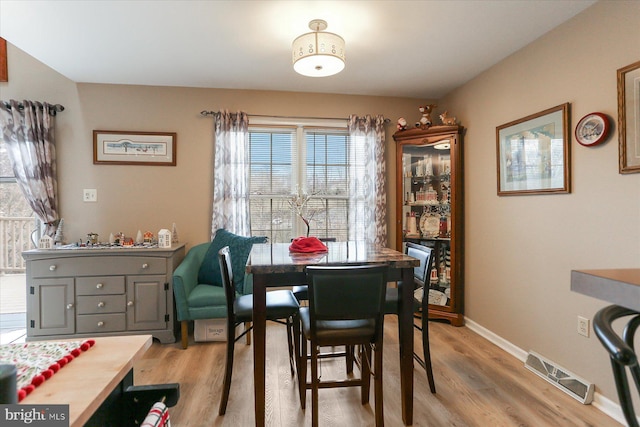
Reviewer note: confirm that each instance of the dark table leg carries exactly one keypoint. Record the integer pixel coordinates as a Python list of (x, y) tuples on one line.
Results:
[(259, 340), (405, 330)]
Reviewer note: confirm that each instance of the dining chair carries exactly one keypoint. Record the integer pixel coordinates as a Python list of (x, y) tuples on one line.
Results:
[(301, 291), (421, 303), (280, 305), (346, 308), (621, 352)]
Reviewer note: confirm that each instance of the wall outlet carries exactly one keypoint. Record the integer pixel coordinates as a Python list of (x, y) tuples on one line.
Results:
[(583, 326), (89, 195)]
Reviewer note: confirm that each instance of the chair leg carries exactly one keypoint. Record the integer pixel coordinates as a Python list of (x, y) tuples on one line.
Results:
[(365, 372), (349, 357), (184, 333), (302, 371), (247, 325), (228, 369), (290, 342), (378, 385), (314, 385), (426, 352)]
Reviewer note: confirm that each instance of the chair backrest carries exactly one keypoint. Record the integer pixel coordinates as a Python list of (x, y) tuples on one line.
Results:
[(347, 292), (226, 271), (622, 353), (423, 253)]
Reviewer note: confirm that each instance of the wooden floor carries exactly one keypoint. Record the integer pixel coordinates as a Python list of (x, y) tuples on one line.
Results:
[(477, 385)]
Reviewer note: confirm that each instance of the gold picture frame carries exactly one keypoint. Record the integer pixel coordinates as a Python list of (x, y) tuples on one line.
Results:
[(629, 118), (134, 148), (533, 153)]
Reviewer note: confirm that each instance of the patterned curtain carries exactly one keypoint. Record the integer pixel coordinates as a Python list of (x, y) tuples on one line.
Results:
[(231, 174), (367, 180), (28, 132)]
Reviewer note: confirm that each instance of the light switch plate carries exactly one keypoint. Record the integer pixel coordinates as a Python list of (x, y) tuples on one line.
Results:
[(90, 195)]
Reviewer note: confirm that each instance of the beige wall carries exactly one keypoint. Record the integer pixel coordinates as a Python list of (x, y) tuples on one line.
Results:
[(520, 250), (132, 198)]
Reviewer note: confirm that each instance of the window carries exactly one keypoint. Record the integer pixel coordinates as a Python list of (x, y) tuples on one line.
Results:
[(285, 158), (13, 203), (17, 220)]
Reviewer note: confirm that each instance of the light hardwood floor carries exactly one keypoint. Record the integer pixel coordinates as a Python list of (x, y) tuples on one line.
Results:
[(477, 385)]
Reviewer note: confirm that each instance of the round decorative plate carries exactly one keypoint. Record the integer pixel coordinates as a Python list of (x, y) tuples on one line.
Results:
[(430, 225), (592, 129), (437, 297)]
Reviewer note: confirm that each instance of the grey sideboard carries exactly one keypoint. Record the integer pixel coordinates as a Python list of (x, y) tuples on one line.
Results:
[(86, 292)]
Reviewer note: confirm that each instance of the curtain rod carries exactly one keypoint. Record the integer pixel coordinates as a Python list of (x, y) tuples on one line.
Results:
[(53, 109), (210, 113)]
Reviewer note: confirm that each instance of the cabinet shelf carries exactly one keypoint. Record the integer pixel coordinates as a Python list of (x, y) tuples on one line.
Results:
[(430, 211)]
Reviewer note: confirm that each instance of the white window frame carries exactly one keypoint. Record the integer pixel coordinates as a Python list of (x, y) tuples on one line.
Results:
[(299, 155)]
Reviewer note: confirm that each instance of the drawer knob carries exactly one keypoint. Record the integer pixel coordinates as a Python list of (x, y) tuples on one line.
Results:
[(130, 304), (52, 268), (69, 306), (100, 324), (145, 265), (99, 286), (101, 304)]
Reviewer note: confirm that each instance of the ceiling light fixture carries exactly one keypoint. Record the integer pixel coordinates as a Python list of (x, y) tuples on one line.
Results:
[(318, 54)]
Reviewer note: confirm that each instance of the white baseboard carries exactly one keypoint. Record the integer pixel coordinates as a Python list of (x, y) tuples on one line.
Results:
[(603, 404)]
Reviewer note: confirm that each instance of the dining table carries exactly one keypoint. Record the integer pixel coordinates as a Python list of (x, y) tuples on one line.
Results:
[(273, 265)]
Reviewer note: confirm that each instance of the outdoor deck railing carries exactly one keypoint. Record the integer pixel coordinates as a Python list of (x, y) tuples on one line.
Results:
[(15, 237)]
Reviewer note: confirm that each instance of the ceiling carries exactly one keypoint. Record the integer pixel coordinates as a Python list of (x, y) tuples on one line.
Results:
[(417, 49)]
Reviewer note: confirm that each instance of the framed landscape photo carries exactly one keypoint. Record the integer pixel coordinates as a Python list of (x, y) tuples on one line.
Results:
[(629, 118), (134, 148), (533, 153)]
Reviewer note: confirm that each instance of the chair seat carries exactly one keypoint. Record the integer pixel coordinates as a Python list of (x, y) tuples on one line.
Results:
[(280, 305), (335, 332), (206, 296)]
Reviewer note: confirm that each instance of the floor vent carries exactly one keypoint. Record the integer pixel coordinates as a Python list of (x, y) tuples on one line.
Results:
[(574, 386)]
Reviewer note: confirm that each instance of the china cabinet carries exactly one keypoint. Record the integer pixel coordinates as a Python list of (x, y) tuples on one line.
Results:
[(429, 206)]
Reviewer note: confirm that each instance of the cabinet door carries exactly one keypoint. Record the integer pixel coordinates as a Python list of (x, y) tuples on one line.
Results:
[(146, 302), (427, 209), (51, 307)]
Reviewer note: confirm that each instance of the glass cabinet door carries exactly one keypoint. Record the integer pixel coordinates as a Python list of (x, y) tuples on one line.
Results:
[(427, 209)]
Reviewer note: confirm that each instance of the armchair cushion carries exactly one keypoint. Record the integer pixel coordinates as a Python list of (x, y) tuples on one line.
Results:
[(239, 248)]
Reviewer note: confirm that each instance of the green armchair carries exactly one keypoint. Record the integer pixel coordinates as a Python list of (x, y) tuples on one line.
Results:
[(197, 282)]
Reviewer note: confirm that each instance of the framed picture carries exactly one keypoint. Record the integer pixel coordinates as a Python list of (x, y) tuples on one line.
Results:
[(134, 148), (629, 118), (592, 129), (533, 153)]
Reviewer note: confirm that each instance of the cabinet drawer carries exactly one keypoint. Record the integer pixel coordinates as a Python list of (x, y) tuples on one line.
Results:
[(100, 304), (101, 285), (97, 266), (92, 323)]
